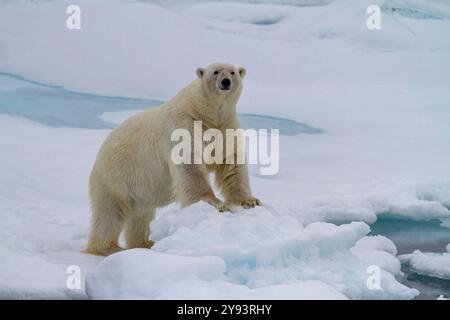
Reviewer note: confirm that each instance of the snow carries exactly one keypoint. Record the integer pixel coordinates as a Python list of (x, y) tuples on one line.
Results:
[(380, 251), (429, 263), (246, 255), (380, 99), (44, 207), (143, 274), (299, 56), (259, 248)]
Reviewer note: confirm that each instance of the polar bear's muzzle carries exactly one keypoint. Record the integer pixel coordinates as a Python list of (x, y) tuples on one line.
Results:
[(225, 84)]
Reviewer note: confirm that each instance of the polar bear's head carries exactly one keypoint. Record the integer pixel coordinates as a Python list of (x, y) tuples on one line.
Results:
[(222, 78)]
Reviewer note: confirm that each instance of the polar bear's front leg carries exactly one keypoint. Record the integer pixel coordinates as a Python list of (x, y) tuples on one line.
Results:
[(234, 184), (191, 185)]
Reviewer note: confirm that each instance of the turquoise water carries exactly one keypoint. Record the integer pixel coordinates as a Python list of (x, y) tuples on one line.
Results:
[(409, 235), (426, 236), (56, 106)]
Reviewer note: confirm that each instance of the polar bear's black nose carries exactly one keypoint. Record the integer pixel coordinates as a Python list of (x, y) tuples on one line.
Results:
[(226, 83)]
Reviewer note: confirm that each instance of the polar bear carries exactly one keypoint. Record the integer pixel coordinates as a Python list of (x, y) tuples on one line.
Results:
[(134, 175)]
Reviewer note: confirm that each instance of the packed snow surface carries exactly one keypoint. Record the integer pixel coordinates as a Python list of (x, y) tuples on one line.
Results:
[(380, 99)]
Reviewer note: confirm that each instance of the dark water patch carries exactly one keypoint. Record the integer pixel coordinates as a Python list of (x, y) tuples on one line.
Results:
[(266, 22), (430, 288), (427, 236)]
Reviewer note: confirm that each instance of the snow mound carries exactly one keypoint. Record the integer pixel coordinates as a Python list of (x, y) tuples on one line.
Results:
[(380, 251), (144, 274), (429, 264), (248, 255), (299, 24)]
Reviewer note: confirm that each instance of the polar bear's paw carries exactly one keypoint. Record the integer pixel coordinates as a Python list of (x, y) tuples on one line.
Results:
[(222, 207), (217, 203), (146, 245), (246, 203), (102, 250), (251, 203)]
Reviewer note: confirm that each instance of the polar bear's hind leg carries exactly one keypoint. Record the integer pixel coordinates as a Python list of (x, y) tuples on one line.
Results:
[(106, 224), (137, 229)]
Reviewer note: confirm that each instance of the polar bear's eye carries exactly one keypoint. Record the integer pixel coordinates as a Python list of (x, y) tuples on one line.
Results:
[(216, 73), (232, 73)]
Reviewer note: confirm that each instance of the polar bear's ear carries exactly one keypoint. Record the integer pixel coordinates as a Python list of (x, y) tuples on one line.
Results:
[(242, 72), (200, 72)]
